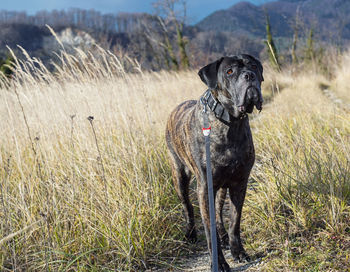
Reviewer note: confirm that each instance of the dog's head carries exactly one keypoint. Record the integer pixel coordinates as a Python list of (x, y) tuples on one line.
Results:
[(235, 81)]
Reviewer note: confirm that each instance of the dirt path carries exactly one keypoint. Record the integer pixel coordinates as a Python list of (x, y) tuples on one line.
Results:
[(199, 260)]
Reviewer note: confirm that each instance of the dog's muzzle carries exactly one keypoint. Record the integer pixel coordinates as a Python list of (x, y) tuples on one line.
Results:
[(254, 97)]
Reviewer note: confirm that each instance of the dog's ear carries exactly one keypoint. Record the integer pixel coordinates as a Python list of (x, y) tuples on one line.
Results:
[(209, 73), (260, 68)]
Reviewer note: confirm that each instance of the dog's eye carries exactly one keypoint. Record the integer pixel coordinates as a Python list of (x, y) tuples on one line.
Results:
[(254, 67), (229, 71)]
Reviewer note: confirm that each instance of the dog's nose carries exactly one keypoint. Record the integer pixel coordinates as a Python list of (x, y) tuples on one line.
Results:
[(249, 76)]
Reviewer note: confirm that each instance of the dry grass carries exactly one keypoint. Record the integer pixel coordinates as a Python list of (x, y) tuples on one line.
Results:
[(341, 84), (298, 206), (99, 191), (93, 195)]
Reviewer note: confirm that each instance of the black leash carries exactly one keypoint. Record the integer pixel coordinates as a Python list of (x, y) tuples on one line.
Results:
[(206, 132)]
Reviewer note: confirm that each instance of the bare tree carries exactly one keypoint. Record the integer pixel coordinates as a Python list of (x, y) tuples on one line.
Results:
[(175, 12), (297, 25), (163, 41)]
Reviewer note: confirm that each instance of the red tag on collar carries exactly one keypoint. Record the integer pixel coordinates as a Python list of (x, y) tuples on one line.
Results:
[(206, 131)]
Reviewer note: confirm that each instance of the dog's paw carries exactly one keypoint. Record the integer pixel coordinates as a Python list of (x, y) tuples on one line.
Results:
[(241, 257), (191, 236)]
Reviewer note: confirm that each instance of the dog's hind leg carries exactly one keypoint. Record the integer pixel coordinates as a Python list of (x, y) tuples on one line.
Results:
[(181, 180), (219, 204)]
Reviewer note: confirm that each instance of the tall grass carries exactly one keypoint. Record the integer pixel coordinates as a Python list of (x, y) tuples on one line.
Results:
[(299, 201), (342, 80), (85, 178), (86, 185)]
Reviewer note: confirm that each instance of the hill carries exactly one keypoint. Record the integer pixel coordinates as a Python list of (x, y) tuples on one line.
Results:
[(329, 18)]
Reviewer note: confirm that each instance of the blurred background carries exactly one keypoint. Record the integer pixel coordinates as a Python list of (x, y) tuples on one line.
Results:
[(176, 34)]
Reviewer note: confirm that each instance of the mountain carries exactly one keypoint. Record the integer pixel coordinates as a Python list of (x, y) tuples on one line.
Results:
[(330, 19)]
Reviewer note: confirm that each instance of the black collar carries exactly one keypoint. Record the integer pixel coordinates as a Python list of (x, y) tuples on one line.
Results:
[(215, 106)]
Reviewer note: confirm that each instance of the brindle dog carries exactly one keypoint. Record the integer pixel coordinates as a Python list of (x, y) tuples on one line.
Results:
[(234, 89)]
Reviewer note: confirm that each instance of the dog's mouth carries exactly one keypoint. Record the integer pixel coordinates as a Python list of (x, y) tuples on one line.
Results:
[(252, 98)]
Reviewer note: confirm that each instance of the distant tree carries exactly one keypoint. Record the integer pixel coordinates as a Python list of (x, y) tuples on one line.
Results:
[(271, 48), (168, 46), (163, 42), (175, 13), (310, 50), (296, 27), (314, 53)]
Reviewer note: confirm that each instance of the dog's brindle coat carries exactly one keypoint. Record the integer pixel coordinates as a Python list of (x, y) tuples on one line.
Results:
[(235, 83)]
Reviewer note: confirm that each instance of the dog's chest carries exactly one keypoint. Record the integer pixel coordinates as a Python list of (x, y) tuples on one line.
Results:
[(232, 151), (227, 155)]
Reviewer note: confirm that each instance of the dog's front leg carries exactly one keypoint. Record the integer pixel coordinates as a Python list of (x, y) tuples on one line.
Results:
[(202, 190), (237, 195)]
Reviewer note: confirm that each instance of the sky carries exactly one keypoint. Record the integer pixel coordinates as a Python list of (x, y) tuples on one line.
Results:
[(197, 9)]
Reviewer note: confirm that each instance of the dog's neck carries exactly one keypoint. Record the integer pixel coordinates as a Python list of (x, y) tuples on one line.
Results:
[(217, 108)]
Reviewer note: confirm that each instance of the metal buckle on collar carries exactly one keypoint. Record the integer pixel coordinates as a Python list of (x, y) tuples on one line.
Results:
[(207, 95), (211, 101), (204, 100)]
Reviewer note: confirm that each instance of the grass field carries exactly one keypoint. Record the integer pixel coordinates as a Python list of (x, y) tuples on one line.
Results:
[(86, 184)]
